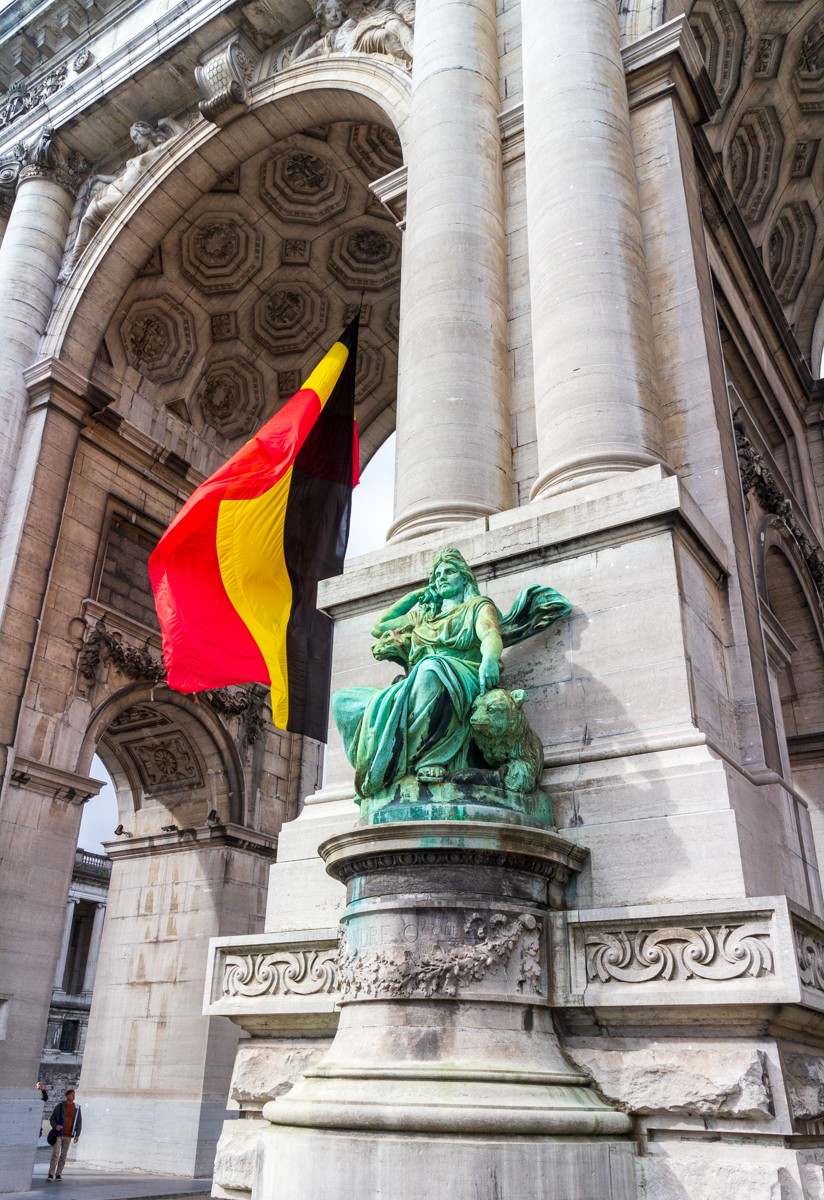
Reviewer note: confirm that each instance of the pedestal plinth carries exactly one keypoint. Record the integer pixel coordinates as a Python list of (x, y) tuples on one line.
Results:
[(445, 1069)]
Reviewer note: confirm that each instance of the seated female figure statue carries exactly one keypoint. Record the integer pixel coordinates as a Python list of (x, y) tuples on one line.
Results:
[(450, 637)]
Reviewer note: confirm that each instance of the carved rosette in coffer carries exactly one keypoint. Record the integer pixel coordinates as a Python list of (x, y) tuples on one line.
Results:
[(158, 337), (290, 318), (231, 397), (221, 252), (301, 185), (425, 953), (366, 259)]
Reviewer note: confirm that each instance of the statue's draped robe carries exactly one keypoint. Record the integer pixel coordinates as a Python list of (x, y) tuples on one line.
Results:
[(423, 720)]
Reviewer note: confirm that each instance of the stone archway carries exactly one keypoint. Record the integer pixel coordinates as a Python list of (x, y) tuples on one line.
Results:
[(348, 116), (189, 863)]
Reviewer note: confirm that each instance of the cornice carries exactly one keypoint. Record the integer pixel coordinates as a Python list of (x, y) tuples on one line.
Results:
[(51, 781), (668, 59), (196, 837)]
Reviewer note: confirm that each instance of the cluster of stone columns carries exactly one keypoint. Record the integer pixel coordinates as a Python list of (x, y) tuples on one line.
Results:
[(596, 390), (93, 953)]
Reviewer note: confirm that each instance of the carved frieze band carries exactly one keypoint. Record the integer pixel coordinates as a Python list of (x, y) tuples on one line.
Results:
[(280, 973), (412, 972), (679, 953)]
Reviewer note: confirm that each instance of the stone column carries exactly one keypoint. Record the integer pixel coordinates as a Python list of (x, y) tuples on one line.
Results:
[(30, 256), (64, 945), (453, 451), (94, 948), (596, 389)]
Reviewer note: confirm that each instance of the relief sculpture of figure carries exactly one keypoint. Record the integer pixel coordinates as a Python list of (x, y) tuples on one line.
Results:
[(446, 731), (386, 27), (104, 192)]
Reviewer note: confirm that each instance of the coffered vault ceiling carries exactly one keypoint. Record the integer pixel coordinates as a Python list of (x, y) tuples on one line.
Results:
[(251, 288), (766, 61)]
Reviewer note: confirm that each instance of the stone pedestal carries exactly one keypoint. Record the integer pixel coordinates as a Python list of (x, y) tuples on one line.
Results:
[(445, 1033)]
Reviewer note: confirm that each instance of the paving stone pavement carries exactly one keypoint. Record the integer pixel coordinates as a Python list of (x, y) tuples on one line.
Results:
[(80, 1184)]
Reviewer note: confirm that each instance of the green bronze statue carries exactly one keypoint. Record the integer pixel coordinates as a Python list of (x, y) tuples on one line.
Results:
[(444, 740)]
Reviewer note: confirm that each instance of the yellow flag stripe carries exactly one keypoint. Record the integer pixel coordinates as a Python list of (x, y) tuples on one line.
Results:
[(327, 373), (253, 569)]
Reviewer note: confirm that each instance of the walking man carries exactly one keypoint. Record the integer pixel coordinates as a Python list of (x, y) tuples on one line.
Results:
[(67, 1122)]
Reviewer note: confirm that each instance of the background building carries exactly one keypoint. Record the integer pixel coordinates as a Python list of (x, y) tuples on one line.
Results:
[(74, 978)]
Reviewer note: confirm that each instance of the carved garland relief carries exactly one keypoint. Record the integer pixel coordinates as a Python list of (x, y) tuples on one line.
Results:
[(400, 971)]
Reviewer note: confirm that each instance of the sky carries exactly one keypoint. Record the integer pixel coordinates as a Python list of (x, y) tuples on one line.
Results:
[(372, 503)]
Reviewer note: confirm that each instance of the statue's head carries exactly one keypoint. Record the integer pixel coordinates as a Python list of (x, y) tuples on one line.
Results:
[(331, 12), (449, 579), (144, 137)]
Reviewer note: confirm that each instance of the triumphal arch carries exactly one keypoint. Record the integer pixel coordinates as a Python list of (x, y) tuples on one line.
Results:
[(586, 243)]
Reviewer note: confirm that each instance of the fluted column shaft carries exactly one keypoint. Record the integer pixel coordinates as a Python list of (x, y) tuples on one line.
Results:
[(30, 256), (453, 451), (596, 391)]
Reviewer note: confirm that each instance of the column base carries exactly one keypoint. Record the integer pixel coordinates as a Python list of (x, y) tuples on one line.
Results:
[(432, 518), (601, 463), (296, 1164)]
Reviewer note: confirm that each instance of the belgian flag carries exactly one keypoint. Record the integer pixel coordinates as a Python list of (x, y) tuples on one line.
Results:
[(235, 575)]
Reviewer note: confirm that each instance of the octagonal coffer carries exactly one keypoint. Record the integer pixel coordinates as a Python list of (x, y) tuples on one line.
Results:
[(367, 258), (301, 185), (221, 252), (230, 397), (290, 317), (158, 337)]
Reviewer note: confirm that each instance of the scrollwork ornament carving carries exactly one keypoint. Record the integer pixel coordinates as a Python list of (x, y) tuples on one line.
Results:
[(809, 954), (226, 76), (281, 973), (406, 972), (677, 952)]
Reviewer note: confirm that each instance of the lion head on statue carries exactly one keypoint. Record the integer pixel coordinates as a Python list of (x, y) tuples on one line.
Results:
[(504, 737)]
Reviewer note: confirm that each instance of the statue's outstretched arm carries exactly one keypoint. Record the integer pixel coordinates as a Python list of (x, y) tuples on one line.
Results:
[(489, 632), (393, 617)]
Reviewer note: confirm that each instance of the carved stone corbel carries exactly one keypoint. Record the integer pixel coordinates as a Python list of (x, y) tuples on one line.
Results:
[(225, 75)]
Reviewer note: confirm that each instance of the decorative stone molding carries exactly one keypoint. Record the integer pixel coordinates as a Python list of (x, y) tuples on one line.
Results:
[(390, 190), (225, 75), (678, 953), (51, 781), (280, 973), (768, 55), (221, 252), (809, 953), (131, 661), (720, 33), (224, 327), (755, 160), (376, 150), (757, 477), (417, 972), (47, 159), (164, 764), (158, 337), (789, 249), (803, 158), (22, 98), (808, 77), (366, 259), (290, 318), (804, 1076), (301, 185), (369, 371), (271, 983), (231, 397)]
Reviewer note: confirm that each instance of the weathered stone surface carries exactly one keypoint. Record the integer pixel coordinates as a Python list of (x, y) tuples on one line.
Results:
[(804, 1075), (676, 1079), (236, 1154), (265, 1069), (665, 1178)]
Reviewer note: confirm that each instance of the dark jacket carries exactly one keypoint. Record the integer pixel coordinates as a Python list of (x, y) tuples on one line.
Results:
[(58, 1117)]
